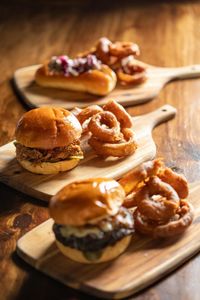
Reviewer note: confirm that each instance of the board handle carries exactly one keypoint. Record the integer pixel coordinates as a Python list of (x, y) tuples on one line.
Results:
[(192, 71), (160, 115)]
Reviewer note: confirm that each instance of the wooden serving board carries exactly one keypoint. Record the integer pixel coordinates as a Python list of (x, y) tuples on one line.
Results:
[(36, 96), (144, 262), (44, 186)]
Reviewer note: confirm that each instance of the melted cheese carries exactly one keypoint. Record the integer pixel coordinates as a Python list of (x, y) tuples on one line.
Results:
[(79, 231), (104, 226)]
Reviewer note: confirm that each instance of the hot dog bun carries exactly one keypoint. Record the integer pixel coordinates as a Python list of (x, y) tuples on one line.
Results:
[(97, 82)]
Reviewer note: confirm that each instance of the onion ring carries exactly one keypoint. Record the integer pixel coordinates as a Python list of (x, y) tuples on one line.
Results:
[(143, 225), (173, 227), (130, 65), (123, 49), (110, 53), (137, 176), (135, 78), (88, 112), (186, 215), (118, 110), (157, 200), (121, 149), (130, 201), (105, 127), (103, 51), (177, 181)]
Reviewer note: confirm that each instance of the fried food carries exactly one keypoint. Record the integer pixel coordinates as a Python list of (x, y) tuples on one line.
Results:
[(110, 127), (105, 127), (158, 193), (109, 52), (135, 78), (135, 178), (182, 220), (124, 148), (123, 49), (86, 113), (120, 57), (131, 71), (157, 200), (120, 113), (177, 181), (174, 226)]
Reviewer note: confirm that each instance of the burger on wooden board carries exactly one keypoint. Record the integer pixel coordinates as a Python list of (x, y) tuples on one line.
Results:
[(91, 226), (48, 140)]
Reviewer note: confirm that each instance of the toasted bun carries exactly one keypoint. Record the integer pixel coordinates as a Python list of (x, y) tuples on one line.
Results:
[(86, 201), (97, 82), (47, 128), (108, 253), (48, 167)]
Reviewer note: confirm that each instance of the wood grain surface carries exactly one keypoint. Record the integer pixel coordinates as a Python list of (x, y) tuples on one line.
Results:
[(145, 261), (168, 34), (44, 187), (36, 96)]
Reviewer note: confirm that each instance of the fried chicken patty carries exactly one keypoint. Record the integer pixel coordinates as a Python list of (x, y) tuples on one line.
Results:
[(96, 237), (49, 155)]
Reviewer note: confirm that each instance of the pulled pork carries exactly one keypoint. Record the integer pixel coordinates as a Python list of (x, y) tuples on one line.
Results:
[(50, 155)]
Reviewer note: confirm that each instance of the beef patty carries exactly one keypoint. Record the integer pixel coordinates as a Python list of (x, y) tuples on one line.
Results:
[(121, 225)]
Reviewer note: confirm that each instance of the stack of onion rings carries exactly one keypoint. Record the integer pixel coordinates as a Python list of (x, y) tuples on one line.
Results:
[(122, 143), (131, 71), (123, 148), (157, 192), (110, 53), (110, 128), (113, 55)]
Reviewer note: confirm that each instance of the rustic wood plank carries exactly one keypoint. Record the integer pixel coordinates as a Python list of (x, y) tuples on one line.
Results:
[(144, 262), (44, 186)]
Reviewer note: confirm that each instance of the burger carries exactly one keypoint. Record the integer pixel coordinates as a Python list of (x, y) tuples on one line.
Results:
[(48, 140), (91, 226)]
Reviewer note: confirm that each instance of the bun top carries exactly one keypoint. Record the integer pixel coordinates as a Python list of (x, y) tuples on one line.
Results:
[(47, 128), (86, 202)]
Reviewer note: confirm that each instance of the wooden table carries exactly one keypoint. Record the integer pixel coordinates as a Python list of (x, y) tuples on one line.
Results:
[(169, 35)]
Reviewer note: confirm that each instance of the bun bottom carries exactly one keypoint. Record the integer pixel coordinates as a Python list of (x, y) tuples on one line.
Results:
[(108, 253), (48, 167)]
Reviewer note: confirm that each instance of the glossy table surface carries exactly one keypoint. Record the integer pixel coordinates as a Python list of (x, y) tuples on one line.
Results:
[(168, 33)]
